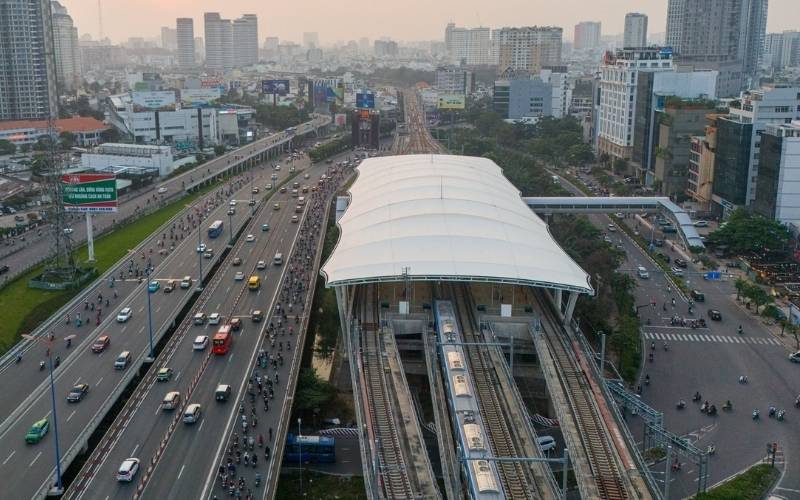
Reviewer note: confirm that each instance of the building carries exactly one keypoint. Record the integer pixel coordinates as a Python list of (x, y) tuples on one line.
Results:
[(701, 163), (129, 155), (452, 80), (169, 38), (469, 46), (87, 130), (67, 50), (99, 56), (617, 96), (790, 51), (520, 95), (529, 48), (731, 170), (773, 50), (311, 40), (778, 187), (561, 85), (635, 30), (28, 74), (587, 35), (385, 48), (199, 49), (754, 33), (184, 29), (219, 42), (245, 41)]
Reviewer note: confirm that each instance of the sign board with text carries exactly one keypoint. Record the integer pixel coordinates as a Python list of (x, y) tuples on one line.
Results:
[(364, 100), (89, 192), (451, 101), (157, 100), (280, 87)]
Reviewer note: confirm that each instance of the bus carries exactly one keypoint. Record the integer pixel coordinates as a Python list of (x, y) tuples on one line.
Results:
[(309, 449), (222, 340), (215, 229)]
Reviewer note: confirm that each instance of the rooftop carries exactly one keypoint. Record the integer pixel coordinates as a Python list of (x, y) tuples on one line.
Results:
[(445, 218), (75, 124)]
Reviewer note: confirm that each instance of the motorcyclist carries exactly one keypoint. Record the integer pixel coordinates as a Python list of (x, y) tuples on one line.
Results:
[(728, 405), (647, 379), (696, 396), (740, 329)]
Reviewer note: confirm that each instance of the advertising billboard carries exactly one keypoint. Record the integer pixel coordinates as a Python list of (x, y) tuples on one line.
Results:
[(199, 98), (340, 119), (89, 192), (161, 100), (451, 101), (364, 100), (280, 87)]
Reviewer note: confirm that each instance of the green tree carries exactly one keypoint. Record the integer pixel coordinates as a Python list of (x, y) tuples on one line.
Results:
[(43, 143), (219, 150), (746, 233), (741, 284), (312, 392), (7, 147), (758, 295), (66, 140), (40, 165)]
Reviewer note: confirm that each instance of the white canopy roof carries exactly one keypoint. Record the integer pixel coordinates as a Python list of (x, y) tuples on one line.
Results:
[(444, 218)]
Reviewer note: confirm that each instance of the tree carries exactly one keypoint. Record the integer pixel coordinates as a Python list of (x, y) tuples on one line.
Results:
[(219, 150), (110, 134), (7, 147), (758, 296), (40, 165), (748, 233), (43, 143), (67, 140), (741, 284), (312, 392)]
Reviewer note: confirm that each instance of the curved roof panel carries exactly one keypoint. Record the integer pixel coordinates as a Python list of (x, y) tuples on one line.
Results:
[(449, 218)]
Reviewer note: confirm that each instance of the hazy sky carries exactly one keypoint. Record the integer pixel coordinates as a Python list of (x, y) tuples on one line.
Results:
[(351, 19)]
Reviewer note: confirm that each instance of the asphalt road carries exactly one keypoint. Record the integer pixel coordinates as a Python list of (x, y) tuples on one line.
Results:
[(710, 360), (26, 466)]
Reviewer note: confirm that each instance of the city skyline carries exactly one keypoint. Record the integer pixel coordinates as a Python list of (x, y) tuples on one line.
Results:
[(146, 17)]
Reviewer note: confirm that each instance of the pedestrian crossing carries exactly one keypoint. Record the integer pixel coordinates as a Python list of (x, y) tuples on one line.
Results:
[(723, 339)]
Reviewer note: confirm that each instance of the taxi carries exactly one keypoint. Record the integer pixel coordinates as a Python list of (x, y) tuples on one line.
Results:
[(37, 431), (164, 374)]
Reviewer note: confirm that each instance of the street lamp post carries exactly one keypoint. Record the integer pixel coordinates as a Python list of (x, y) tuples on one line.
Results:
[(152, 356), (300, 454), (230, 229), (199, 256)]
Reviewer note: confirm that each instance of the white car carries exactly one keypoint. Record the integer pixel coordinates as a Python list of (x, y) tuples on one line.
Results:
[(268, 186), (232, 203), (162, 190), (277, 167), (677, 271), (250, 238), (201, 248), (239, 276), (124, 315), (612, 228), (128, 469), (701, 223), (200, 343), (68, 230), (214, 318), (261, 265)]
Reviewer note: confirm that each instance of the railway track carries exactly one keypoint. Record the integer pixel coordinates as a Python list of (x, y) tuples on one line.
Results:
[(596, 441), (516, 482), (391, 465), (419, 139)]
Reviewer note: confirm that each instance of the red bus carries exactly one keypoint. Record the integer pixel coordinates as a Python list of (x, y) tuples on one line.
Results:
[(222, 340)]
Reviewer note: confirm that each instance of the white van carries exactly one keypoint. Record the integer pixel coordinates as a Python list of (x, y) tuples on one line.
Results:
[(278, 260), (171, 401), (642, 272), (192, 414), (122, 360)]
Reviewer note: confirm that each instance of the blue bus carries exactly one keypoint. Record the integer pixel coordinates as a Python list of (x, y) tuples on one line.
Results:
[(309, 449), (215, 229)]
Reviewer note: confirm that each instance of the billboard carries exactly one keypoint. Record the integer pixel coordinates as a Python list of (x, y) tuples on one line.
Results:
[(199, 98), (280, 87), (159, 100), (340, 119), (89, 192), (451, 101), (364, 100)]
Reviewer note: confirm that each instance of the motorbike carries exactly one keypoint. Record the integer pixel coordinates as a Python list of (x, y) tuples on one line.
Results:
[(704, 407), (756, 414), (41, 365), (728, 406), (711, 449), (797, 402), (696, 396), (772, 411), (18, 358), (781, 415), (712, 410), (681, 405)]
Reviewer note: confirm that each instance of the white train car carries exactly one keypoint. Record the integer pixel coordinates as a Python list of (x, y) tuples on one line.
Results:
[(486, 478), (473, 437), (461, 387), (455, 361)]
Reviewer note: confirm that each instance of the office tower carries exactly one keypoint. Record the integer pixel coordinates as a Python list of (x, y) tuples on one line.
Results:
[(363, 45), (27, 62), (169, 38), (471, 46), (529, 48), (635, 30), (790, 50), (67, 51), (777, 192), (454, 80), (219, 42), (753, 32), (245, 40), (199, 49), (311, 39), (773, 50), (184, 29), (587, 35)]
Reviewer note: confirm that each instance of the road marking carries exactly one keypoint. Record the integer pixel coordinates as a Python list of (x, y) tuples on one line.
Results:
[(133, 453), (201, 425), (230, 358), (158, 308), (177, 376), (71, 415), (35, 459), (724, 339), (180, 472), (141, 309), (98, 382), (77, 380), (141, 329), (9, 457)]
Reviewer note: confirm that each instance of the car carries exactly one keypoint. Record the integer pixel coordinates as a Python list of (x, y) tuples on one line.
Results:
[(795, 357), (122, 361), (250, 238), (607, 239), (236, 324), (200, 343), (283, 189), (164, 374), (306, 176), (659, 242), (192, 413), (209, 253), (153, 286), (698, 296), (265, 227), (546, 443), (255, 190), (4, 269), (612, 228), (101, 343), (276, 206), (257, 315), (186, 282), (199, 319), (715, 315), (162, 190), (239, 276), (277, 167), (237, 261), (701, 223), (223, 392), (68, 230), (128, 469), (37, 431), (295, 219), (252, 203), (171, 401), (261, 265), (305, 189), (214, 318), (201, 248), (274, 177), (642, 273), (677, 271), (268, 186), (170, 286), (680, 262), (124, 315), (232, 203), (77, 393), (231, 211)]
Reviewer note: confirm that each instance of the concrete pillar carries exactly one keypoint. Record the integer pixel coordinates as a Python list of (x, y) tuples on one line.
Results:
[(573, 299), (557, 299)]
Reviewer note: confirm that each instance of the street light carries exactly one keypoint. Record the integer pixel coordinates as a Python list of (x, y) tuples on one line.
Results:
[(59, 488), (230, 222), (300, 454), (199, 253), (152, 356)]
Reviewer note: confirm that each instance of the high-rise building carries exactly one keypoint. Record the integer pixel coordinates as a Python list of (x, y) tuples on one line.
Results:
[(635, 30), (773, 50), (778, 192), (587, 35), (701, 163), (27, 62), (245, 40), (454, 80), (219, 42), (385, 48), (311, 39), (529, 48), (199, 49), (169, 38), (363, 45), (271, 43), (184, 29), (67, 50), (471, 46), (790, 51), (754, 29)]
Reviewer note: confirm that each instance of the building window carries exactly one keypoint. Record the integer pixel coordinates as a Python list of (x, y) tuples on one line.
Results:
[(781, 109)]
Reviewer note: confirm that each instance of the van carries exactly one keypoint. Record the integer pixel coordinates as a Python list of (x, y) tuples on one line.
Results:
[(301, 201), (122, 360), (642, 272), (171, 401), (192, 414), (254, 283), (546, 443), (223, 392), (295, 194), (298, 209), (278, 260), (698, 296)]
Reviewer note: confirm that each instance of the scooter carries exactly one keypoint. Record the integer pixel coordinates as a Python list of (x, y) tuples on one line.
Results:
[(756, 414), (781, 415), (681, 405)]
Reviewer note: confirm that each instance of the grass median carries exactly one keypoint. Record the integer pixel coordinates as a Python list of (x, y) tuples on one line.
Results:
[(752, 484), (25, 308)]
